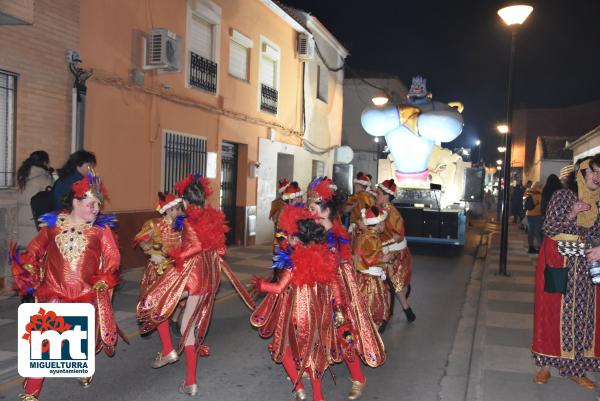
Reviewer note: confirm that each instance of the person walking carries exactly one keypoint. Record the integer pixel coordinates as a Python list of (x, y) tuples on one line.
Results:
[(77, 166), (533, 211), (566, 308), (516, 203), (34, 176)]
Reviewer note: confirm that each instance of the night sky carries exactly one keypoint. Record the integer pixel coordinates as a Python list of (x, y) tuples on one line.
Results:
[(462, 48)]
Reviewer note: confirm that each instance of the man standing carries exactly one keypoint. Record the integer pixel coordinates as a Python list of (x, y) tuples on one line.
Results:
[(533, 210)]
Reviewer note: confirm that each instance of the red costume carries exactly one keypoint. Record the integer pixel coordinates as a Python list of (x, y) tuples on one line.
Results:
[(566, 331), (198, 265), (159, 236), (297, 310), (68, 262)]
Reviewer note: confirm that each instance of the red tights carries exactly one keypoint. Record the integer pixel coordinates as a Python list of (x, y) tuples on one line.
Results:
[(290, 368), (355, 369), (33, 386), (191, 361), (165, 337)]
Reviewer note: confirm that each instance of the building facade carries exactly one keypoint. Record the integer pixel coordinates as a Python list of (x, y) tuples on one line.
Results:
[(36, 95)]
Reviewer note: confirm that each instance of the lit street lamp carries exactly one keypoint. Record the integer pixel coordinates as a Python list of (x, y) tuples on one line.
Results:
[(501, 149), (380, 100), (478, 144), (502, 128), (499, 162), (513, 16)]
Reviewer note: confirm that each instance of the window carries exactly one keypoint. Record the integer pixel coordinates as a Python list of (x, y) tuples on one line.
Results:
[(269, 77), (322, 83), (239, 55), (204, 19), (8, 83), (182, 155), (318, 168)]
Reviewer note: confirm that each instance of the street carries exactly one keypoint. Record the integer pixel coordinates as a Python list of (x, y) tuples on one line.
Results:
[(240, 367)]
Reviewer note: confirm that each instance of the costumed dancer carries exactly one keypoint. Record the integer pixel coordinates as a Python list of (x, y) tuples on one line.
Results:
[(73, 259), (297, 309), (397, 258), (368, 255), (357, 336), (362, 198), (196, 272), (156, 238), (566, 328)]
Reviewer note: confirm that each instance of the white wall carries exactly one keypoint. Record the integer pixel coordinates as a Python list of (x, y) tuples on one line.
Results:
[(551, 167), (267, 179)]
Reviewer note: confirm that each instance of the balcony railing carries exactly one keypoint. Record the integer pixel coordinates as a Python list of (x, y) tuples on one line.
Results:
[(203, 73), (268, 99)]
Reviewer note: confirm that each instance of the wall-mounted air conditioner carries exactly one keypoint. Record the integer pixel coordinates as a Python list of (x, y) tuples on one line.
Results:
[(306, 47), (163, 50)]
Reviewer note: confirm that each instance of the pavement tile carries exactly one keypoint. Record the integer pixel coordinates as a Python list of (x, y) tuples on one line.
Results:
[(509, 359), (502, 386), (513, 279), (520, 338), (511, 307), (509, 320), (503, 286), (515, 296)]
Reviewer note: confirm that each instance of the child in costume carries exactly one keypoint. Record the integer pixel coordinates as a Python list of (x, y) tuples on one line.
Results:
[(397, 259), (157, 237), (362, 198), (357, 337), (297, 309), (196, 272), (73, 258), (368, 254)]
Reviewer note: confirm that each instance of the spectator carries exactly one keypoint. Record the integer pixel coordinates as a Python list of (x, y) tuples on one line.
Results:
[(534, 220), (553, 184), (33, 176), (516, 203), (79, 164)]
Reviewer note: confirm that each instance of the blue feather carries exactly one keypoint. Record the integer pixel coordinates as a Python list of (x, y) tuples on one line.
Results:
[(282, 259), (178, 223), (48, 219), (333, 241), (315, 182), (103, 220)]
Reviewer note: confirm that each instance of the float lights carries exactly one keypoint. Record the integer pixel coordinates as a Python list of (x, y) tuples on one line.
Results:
[(376, 139)]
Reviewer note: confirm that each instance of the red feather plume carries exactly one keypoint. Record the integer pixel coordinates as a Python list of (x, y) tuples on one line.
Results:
[(288, 219), (204, 182), (313, 264), (209, 224)]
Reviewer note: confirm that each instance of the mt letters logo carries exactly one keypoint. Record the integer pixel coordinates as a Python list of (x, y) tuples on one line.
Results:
[(56, 340)]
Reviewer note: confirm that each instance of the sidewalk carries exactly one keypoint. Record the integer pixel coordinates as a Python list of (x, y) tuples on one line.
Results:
[(498, 322), (245, 262)]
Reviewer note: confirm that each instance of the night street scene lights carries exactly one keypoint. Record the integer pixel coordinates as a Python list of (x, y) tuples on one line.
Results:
[(502, 128), (501, 149), (513, 16)]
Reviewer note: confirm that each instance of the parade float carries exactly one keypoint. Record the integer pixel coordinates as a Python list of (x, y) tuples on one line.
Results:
[(434, 184)]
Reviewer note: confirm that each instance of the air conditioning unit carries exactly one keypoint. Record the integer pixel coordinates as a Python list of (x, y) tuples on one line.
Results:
[(163, 50), (306, 47)]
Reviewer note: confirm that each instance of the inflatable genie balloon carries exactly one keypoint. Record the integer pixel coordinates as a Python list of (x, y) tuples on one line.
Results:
[(412, 128)]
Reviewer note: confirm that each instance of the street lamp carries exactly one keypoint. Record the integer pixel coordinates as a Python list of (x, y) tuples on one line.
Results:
[(513, 16), (499, 162), (380, 100), (501, 149), (502, 128)]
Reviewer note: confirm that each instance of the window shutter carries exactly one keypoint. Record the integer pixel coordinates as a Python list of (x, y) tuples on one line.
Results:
[(7, 86), (267, 72), (201, 37), (238, 60)]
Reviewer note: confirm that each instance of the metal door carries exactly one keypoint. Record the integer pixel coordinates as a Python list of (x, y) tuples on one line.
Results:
[(229, 155)]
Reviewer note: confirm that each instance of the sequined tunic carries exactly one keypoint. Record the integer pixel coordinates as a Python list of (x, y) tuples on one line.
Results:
[(399, 266)]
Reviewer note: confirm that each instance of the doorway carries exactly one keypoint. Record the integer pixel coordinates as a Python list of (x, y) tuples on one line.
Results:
[(285, 166), (229, 160)]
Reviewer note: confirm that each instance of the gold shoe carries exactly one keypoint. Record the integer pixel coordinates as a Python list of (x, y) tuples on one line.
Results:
[(191, 390), (300, 395), (583, 382), (542, 376), (357, 390), (162, 360), (85, 382), (27, 397)]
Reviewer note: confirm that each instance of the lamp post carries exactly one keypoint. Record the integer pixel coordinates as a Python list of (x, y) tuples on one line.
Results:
[(478, 144), (513, 16)]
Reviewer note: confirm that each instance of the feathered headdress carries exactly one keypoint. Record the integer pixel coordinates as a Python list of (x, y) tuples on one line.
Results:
[(90, 186), (204, 183), (291, 214), (166, 201), (321, 189)]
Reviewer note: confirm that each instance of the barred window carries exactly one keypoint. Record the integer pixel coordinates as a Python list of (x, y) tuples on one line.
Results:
[(182, 155), (8, 84)]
